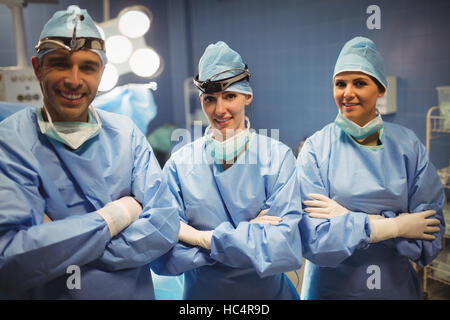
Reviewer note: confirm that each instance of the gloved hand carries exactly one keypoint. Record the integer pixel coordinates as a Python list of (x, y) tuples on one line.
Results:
[(195, 237), (263, 218), (417, 225), (406, 225), (323, 207), (120, 213)]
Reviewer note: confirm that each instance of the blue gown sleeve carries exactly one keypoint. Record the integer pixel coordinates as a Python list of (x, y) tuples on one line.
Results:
[(425, 193), (156, 231), (327, 242), (33, 253), (182, 257), (266, 248)]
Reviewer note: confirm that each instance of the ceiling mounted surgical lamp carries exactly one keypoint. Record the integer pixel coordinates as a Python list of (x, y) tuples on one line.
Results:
[(126, 48), (135, 21)]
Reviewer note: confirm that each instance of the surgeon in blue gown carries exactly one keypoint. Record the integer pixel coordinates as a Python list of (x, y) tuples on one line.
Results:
[(237, 191), (84, 208), (374, 199)]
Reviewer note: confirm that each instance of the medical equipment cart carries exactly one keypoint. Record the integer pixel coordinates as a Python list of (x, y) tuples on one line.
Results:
[(439, 268)]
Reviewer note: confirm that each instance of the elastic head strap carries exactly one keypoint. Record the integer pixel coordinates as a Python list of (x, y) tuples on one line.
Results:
[(211, 86)]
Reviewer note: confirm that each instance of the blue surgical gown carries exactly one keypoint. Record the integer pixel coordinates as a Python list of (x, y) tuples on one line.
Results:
[(388, 179), (247, 260), (39, 175)]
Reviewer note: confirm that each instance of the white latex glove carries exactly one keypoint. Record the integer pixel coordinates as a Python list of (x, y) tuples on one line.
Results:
[(120, 213), (417, 225), (323, 207), (406, 225), (263, 218), (195, 237)]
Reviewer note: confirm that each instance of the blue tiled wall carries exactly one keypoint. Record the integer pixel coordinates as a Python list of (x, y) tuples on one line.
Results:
[(291, 47)]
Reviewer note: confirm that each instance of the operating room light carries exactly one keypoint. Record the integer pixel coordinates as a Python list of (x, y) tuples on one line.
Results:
[(126, 46), (145, 62), (109, 78), (134, 23), (118, 49)]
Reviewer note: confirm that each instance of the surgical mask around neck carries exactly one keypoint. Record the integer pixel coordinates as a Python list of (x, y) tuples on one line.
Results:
[(226, 151), (355, 130), (70, 133)]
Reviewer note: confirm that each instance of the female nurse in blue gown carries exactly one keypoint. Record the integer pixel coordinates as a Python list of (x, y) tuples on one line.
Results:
[(373, 197), (237, 191)]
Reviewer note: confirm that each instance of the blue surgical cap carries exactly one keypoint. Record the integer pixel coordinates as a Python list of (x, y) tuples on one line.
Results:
[(220, 57), (62, 24), (360, 54)]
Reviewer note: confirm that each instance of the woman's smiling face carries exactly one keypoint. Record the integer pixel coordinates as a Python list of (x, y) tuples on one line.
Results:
[(226, 111), (356, 94)]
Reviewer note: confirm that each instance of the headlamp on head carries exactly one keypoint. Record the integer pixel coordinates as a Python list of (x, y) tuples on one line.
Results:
[(61, 31), (69, 44), (212, 86), (50, 43)]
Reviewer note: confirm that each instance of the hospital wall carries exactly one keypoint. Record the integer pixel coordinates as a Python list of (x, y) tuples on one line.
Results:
[(291, 47)]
